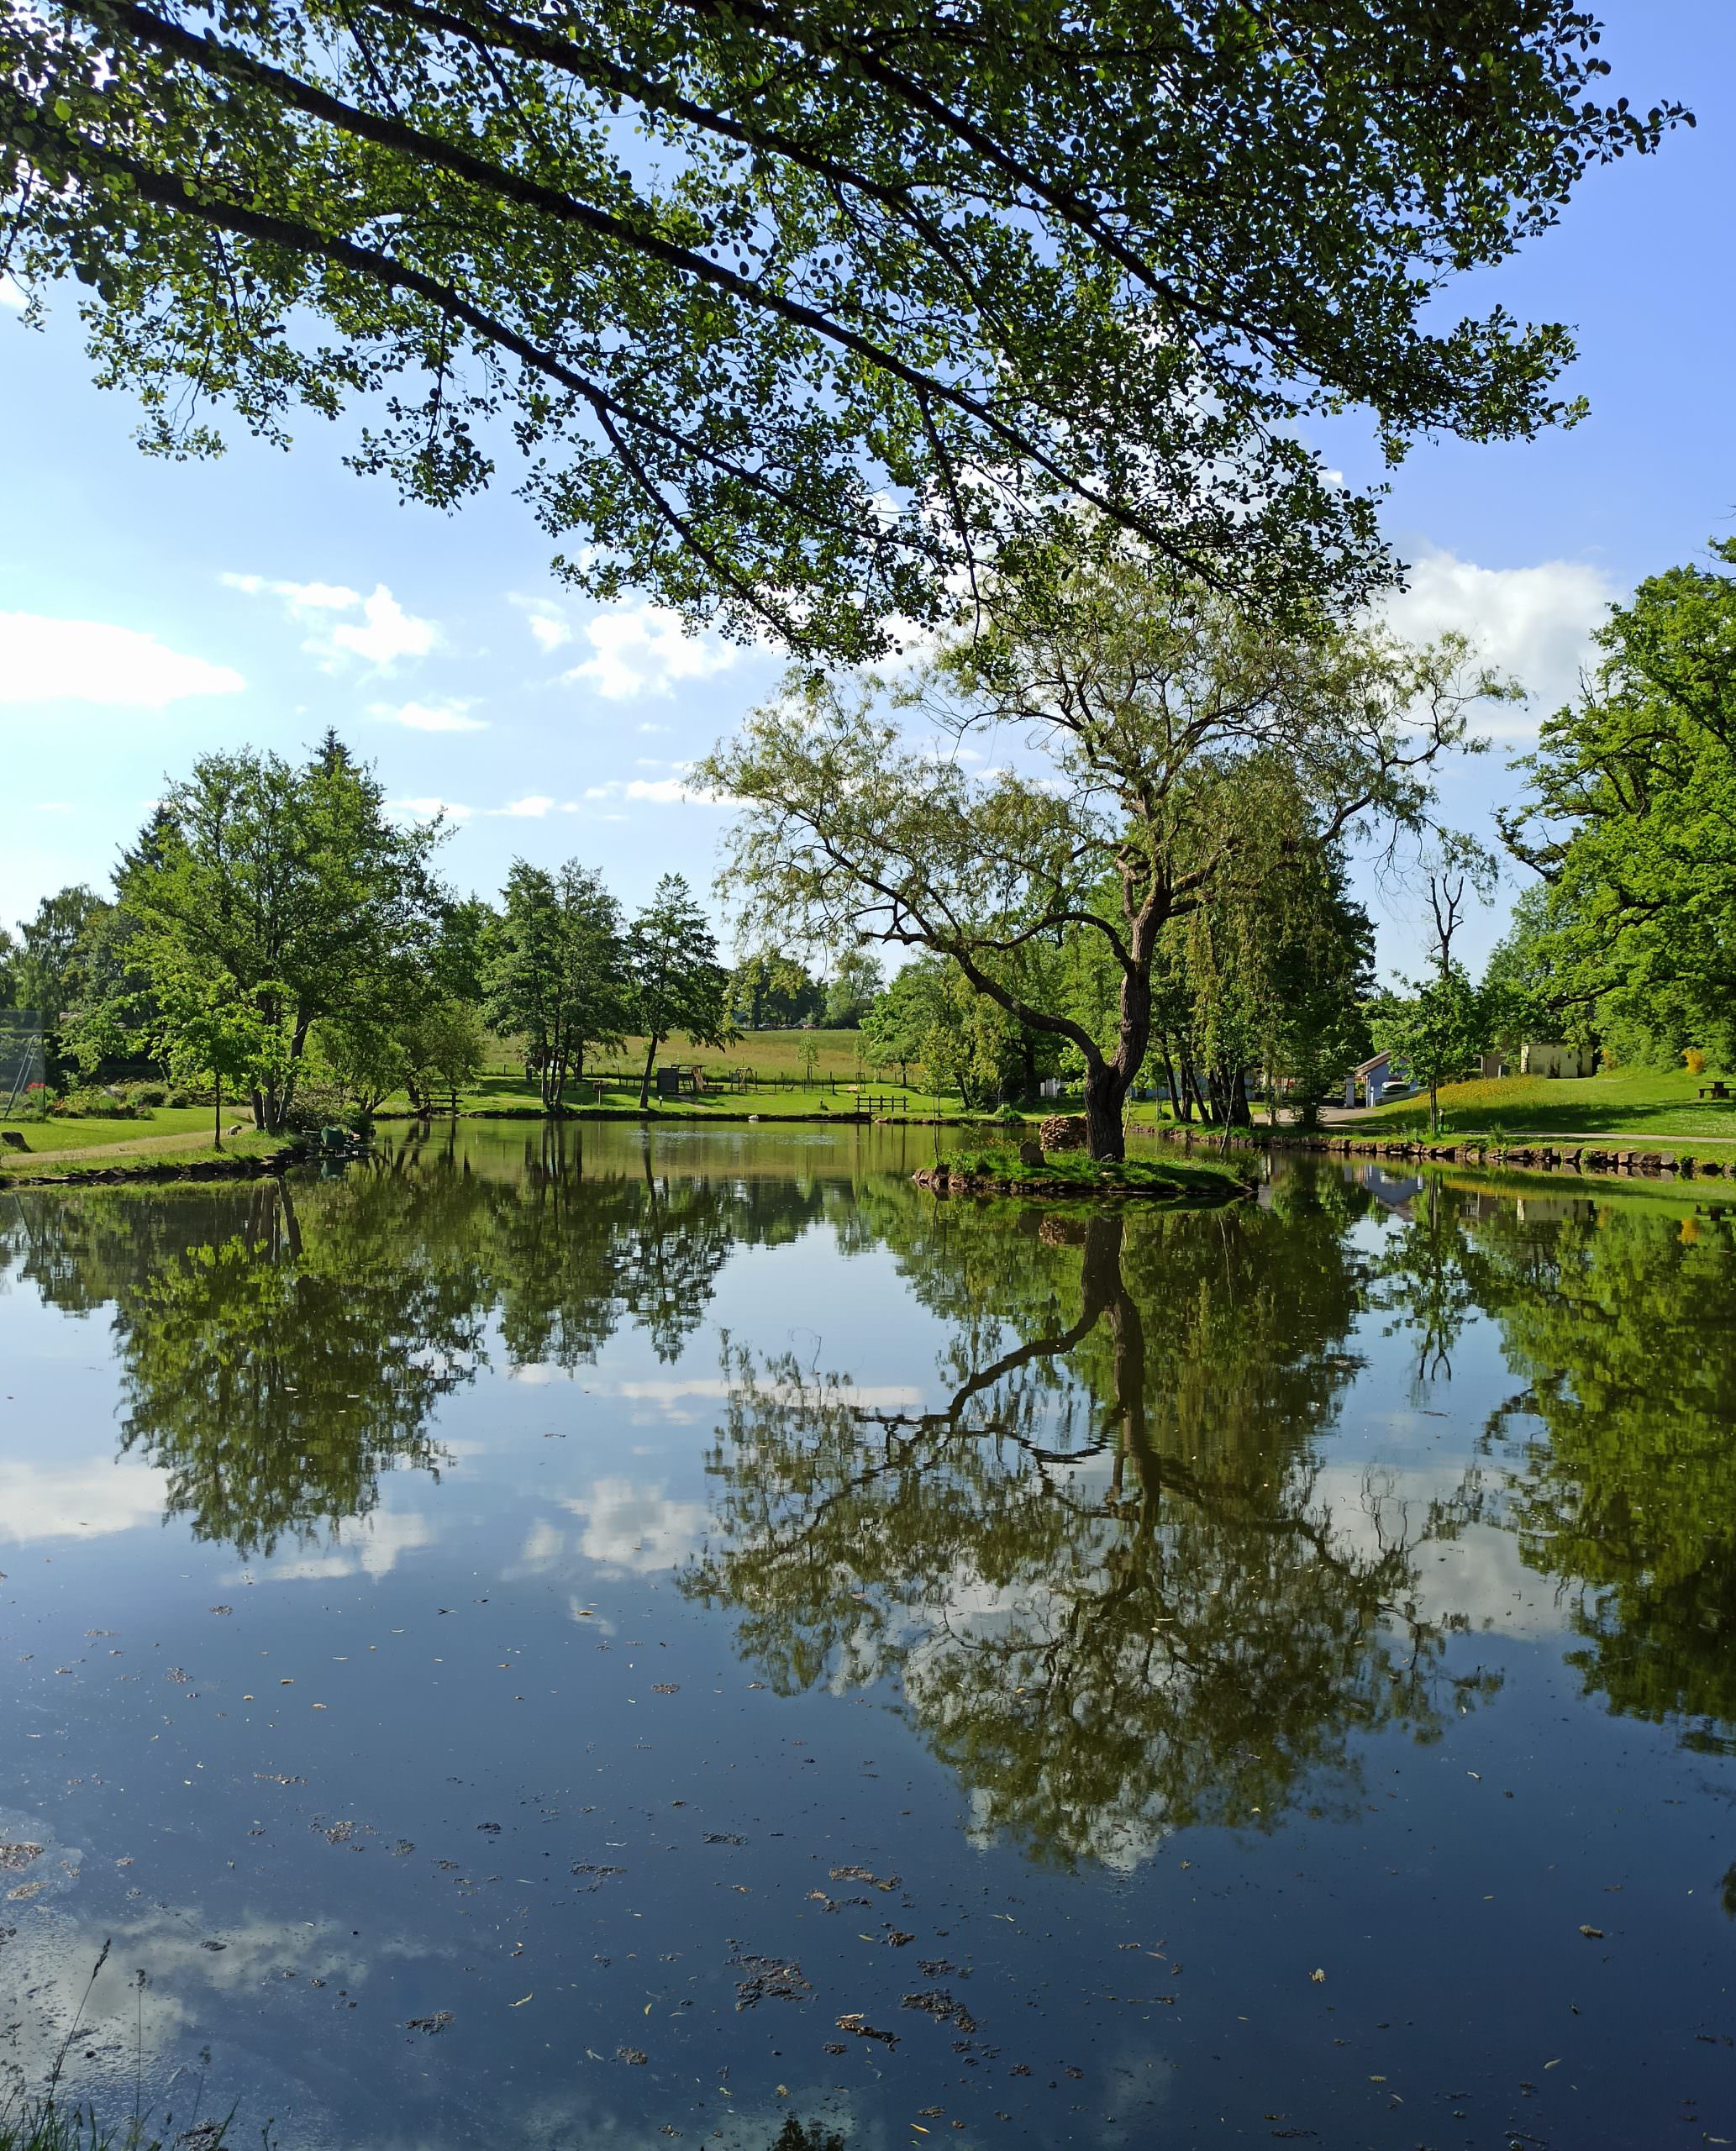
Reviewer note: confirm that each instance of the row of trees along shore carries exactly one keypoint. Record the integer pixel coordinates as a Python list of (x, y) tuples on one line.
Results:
[(1140, 876), (274, 926)]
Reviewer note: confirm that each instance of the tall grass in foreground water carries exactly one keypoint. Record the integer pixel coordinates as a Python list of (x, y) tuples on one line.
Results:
[(44, 2120), (42, 2124)]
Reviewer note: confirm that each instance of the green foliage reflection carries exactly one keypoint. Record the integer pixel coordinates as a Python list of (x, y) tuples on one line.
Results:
[(275, 1366), (1108, 1572), (1618, 1321)]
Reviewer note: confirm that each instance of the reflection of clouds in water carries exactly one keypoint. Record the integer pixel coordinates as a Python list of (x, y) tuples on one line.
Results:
[(369, 1545), (78, 1500), (544, 1544), (1478, 1575), (153, 2032), (889, 1397), (631, 1528)]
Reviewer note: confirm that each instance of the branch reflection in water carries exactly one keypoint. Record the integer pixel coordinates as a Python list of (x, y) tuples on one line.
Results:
[(1103, 1572)]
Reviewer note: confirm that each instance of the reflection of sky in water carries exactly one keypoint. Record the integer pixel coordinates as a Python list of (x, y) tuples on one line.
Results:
[(486, 1747)]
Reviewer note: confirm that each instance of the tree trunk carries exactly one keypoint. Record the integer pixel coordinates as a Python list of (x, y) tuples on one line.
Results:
[(1176, 1101), (644, 1081), (1104, 1092), (216, 1117), (1434, 1108)]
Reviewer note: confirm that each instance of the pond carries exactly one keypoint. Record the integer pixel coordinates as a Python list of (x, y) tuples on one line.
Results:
[(567, 1638)]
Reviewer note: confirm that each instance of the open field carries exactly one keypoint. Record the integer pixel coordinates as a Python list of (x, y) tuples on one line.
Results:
[(779, 1075), (1653, 1105)]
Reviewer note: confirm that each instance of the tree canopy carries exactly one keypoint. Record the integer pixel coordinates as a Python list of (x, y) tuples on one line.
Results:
[(797, 311), (1628, 819), (273, 897), (675, 985)]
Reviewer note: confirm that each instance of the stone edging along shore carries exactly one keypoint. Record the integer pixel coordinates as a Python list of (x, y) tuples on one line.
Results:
[(1564, 1156)]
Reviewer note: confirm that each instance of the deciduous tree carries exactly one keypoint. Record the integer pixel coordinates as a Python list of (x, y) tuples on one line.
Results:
[(555, 971), (286, 895), (798, 311), (678, 985), (1157, 726)]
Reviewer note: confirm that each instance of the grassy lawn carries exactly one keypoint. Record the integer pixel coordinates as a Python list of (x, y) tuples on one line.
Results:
[(175, 1122), (765, 1074), (18, 1168), (1651, 1105)]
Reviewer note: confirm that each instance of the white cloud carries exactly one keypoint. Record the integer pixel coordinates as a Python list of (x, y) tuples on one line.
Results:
[(534, 807), (78, 1500), (10, 294), (546, 621), (1534, 623), (388, 632), (45, 661), (428, 717), (656, 791), (372, 1547), (385, 633), (644, 649), (301, 597), (633, 1528), (861, 1396)]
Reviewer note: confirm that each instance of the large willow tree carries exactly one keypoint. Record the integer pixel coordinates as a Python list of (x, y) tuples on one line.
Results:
[(1102, 754), (796, 310)]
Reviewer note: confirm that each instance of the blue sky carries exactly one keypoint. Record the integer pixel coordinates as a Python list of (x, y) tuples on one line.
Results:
[(152, 611)]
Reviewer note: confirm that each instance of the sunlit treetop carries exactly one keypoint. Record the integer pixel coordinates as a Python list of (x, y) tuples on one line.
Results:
[(794, 312)]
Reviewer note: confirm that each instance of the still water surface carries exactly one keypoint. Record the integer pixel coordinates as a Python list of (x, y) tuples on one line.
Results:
[(562, 1639)]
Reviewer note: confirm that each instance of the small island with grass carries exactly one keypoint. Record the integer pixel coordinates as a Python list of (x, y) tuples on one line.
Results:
[(1057, 1165)]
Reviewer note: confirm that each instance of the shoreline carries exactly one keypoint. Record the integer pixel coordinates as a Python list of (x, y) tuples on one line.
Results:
[(1583, 1158), (1594, 1160), (163, 1169)]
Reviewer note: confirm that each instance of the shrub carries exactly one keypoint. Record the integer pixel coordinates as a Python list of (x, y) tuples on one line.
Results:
[(1009, 1115), (1696, 1061), (90, 1103), (148, 1094), (319, 1104)]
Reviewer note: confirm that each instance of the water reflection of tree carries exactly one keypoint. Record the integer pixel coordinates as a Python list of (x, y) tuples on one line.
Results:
[(1106, 1570), (282, 1345), (275, 1375), (1619, 1446)]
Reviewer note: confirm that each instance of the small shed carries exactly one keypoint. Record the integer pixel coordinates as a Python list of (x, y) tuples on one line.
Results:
[(1539, 1057)]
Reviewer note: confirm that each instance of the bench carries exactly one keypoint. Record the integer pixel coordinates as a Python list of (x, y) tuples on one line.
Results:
[(1714, 1091)]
